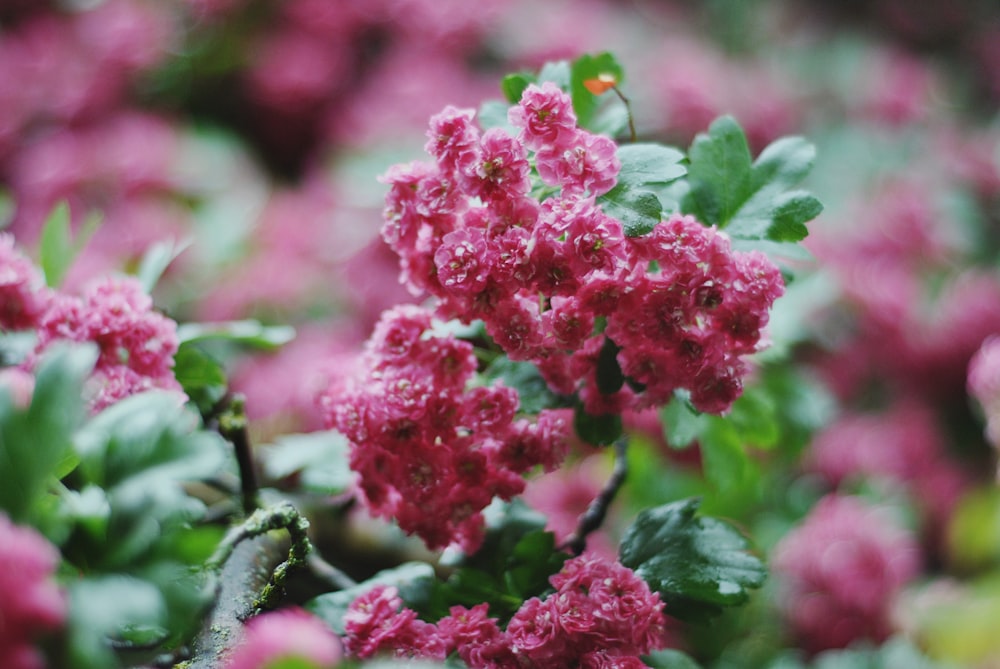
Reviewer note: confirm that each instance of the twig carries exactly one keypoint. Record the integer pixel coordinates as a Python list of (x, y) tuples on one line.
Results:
[(628, 112), (591, 519), (233, 425)]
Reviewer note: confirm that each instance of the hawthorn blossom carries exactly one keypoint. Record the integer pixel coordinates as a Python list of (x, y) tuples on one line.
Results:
[(601, 614), (286, 635), (31, 605), (840, 571), (136, 344), (432, 449), (681, 307), (23, 295)]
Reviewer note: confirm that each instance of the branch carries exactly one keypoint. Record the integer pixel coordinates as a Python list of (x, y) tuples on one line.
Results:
[(594, 516), (233, 425)]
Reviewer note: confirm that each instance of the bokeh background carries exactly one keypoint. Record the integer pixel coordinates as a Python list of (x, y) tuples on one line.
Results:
[(253, 132)]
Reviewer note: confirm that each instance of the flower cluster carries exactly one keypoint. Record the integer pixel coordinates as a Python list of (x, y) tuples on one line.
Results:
[(544, 267), (289, 635), (30, 602), (136, 344), (601, 615), (431, 451), (841, 570)]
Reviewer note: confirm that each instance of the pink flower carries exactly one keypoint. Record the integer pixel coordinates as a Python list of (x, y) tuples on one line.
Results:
[(840, 570), (453, 139), (23, 294), (376, 622), (582, 164), (545, 116), (500, 170), (31, 604), (286, 635)]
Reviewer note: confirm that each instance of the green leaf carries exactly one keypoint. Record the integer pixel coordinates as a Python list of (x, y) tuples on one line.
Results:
[(513, 85), (750, 200), (35, 443), (201, 376), (156, 260), (319, 459), (698, 564), (412, 579), (587, 67), (681, 422), (610, 378), (670, 659), (57, 247), (724, 460), (493, 114), (559, 72), (597, 430), (249, 332), (638, 210), (645, 164)]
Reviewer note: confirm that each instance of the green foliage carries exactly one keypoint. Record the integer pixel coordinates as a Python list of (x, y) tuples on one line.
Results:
[(670, 659), (318, 460), (134, 542), (751, 201), (513, 564), (636, 198), (156, 260), (698, 564), (35, 442), (201, 376), (248, 332), (599, 430), (57, 248), (896, 653), (588, 67)]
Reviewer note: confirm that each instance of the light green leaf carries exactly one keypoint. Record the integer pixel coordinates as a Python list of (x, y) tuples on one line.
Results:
[(57, 247), (645, 164), (638, 210), (587, 67), (156, 260), (246, 332), (319, 458)]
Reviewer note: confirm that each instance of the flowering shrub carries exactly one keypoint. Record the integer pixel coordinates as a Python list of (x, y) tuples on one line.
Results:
[(552, 393)]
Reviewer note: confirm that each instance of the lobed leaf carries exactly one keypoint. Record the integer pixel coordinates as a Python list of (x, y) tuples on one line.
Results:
[(698, 564), (752, 201)]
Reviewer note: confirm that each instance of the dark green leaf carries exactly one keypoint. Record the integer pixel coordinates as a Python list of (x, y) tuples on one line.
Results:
[(752, 201), (597, 430), (638, 210), (513, 86), (698, 564), (412, 579), (646, 164), (590, 67), (609, 373)]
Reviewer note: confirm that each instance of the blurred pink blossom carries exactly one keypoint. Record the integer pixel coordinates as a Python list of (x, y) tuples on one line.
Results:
[(31, 605), (286, 635)]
